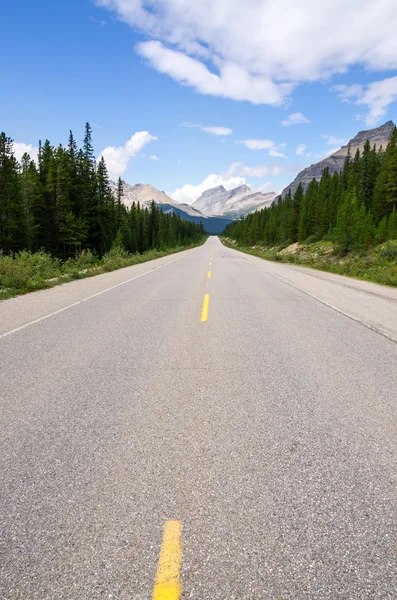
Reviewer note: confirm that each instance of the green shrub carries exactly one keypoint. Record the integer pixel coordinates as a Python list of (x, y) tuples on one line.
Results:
[(389, 251), (26, 270), (312, 239)]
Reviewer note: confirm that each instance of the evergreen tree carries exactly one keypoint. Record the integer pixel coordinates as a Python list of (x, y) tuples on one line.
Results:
[(368, 173), (120, 194), (294, 213), (354, 230), (12, 231), (382, 232), (87, 187), (66, 204), (392, 226), (48, 229), (32, 196), (354, 207), (307, 225), (391, 171), (103, 215)]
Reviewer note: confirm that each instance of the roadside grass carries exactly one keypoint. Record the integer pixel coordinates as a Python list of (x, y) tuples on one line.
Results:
[(379, 264), (25, 271)]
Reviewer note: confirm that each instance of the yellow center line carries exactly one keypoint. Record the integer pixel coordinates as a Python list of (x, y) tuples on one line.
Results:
[(204, 311), (168, 584), (210, 263), (209, 274)]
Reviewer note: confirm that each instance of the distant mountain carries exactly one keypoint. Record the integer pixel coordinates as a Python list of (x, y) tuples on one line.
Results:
[(233, 203), (379, 136), (144, 193)]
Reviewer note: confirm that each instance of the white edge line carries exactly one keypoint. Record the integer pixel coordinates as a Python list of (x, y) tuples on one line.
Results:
[(3, 335), (38, 320), (338, 310), (131, 279)]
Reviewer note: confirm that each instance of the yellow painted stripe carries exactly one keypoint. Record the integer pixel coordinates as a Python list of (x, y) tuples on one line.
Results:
[(204, 312), (168, 584), (209, 274), (210, 264)]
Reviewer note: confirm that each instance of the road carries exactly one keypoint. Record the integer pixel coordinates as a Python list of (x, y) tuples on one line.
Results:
[(224, 428)]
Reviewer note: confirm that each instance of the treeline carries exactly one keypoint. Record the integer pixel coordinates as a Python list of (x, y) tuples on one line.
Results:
[(354, 208), (64, 204)]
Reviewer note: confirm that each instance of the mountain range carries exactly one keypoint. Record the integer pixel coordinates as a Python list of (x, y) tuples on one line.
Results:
[(215, 208), (232, 203), (379, 136), (144, 193)]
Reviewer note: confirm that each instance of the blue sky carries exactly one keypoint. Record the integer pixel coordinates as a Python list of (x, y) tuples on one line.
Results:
[(188, 95)]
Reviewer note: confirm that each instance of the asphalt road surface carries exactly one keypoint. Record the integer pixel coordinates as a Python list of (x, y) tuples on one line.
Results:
[(224, 429)]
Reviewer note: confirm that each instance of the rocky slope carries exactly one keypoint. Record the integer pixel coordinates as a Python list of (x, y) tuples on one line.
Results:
[(379, 136), (233, 203), (144, 193)]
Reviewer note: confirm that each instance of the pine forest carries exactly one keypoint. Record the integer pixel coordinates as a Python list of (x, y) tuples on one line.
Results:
[(64, 205), (355, 208)]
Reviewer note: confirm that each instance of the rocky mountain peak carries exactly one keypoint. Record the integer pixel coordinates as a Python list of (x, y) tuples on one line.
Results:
[(212, 191), (241, 189), (232, 203), (379, 136)]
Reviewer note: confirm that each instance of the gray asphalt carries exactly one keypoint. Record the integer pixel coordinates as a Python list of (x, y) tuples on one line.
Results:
[(269, 431)]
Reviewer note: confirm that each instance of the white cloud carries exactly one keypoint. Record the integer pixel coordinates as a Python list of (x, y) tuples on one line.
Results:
[(260, 53), (117, 157), (268, 186), (233, 81), (376, 97), (327, 153), (19, 149), (209, 129), (154, 157), (100, 22), (274, 149), (301, 150), (255, 171), (277, 170), (332, 140), (295, 119), (234, 176), (348, 93), (242, 170), (218, 130), (189, 193)]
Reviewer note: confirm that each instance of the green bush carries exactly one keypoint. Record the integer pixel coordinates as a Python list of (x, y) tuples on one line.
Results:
[(312, 239), (389, 251), (377, 264), (116, 252), (26, 270)]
